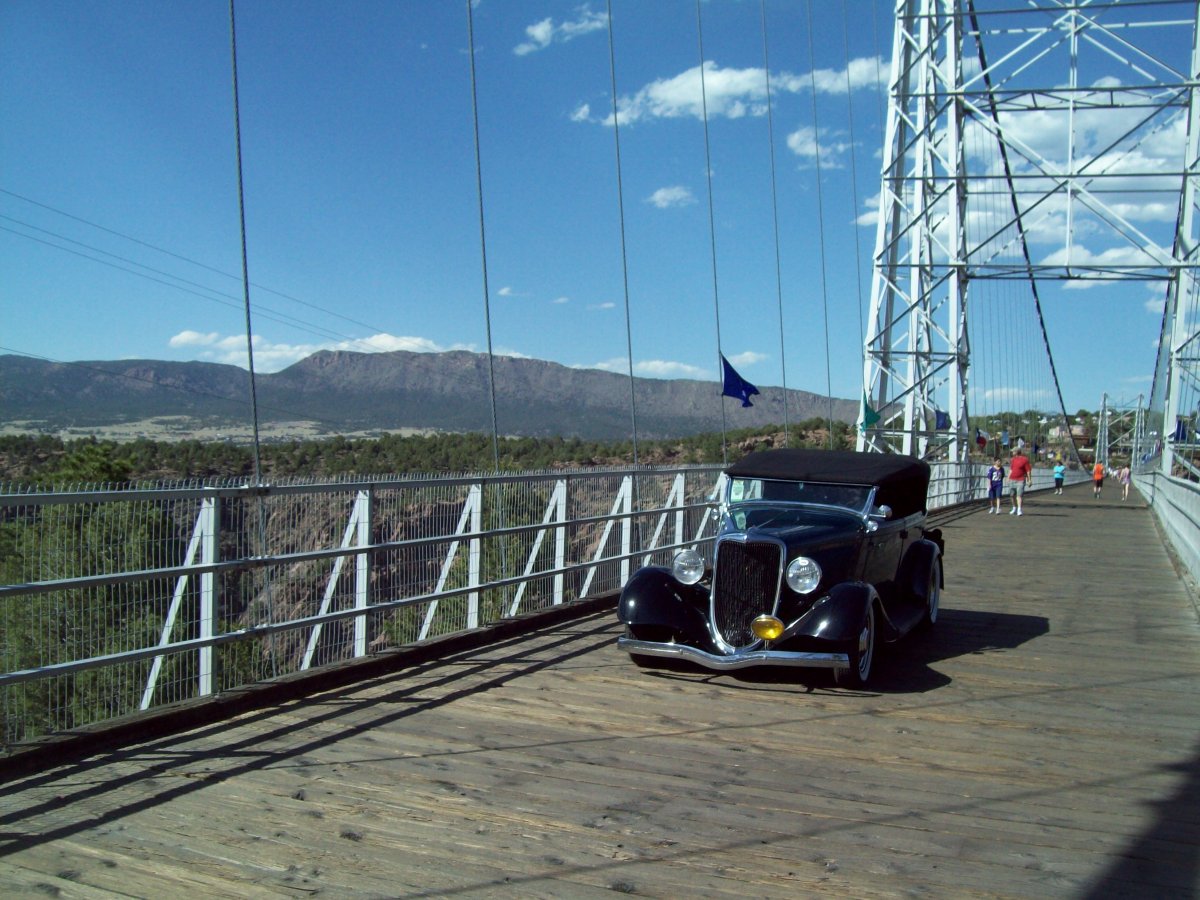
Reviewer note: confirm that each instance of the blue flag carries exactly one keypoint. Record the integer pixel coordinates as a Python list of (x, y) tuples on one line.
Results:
[(941, 419), (736, 386)]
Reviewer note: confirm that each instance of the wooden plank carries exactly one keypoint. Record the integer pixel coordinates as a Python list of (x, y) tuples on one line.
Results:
[(1040, 742)]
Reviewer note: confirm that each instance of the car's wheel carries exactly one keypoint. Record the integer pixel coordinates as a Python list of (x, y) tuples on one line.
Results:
[(862, 655), (933, 594)]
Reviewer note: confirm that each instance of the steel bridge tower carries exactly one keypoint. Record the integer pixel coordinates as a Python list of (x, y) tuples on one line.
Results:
[(992, 171)]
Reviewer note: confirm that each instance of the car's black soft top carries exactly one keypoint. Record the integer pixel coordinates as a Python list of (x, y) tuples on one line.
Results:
[(902, 480)]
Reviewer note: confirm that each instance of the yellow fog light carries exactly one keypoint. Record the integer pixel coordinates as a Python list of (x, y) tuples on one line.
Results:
[(767, 628)]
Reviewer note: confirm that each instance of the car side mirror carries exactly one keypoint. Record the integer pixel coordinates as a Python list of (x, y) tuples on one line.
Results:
[(883, 511)]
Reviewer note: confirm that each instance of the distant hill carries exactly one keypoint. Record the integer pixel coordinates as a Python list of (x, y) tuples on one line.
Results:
[(352, 393)]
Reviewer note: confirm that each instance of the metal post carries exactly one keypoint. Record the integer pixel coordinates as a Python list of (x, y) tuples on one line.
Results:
[(362, 571), (209, 552)]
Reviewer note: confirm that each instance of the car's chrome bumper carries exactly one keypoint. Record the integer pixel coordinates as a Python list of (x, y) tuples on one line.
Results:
[(736, 660)]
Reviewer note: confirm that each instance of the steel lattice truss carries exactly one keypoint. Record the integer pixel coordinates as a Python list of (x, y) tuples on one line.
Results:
[(1039, 142)]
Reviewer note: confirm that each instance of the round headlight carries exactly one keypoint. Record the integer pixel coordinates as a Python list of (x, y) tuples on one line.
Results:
[(803, 575), (687, 567)]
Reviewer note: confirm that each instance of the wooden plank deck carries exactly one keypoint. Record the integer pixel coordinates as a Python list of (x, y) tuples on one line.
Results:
[(1043, 741)]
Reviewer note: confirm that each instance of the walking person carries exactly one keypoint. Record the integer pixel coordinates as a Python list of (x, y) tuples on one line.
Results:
[(1125, 477), (1020, 471), (1097, 479), (1060, 472), (995, 480)]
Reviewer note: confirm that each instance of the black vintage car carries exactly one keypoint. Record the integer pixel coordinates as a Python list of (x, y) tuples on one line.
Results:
[(820, 554)]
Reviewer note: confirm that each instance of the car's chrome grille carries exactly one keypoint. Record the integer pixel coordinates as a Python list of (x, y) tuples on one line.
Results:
[(745, 581)]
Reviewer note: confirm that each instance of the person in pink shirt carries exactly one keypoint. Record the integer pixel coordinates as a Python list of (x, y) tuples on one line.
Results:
[(1020, 470)]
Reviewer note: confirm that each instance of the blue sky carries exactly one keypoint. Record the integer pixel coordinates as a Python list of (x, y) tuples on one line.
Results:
[(118, 196)]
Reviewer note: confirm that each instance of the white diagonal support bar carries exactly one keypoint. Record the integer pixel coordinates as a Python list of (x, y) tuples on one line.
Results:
[(177, 596), (354, 527), (621, 508), (556, 511), (470, 519)]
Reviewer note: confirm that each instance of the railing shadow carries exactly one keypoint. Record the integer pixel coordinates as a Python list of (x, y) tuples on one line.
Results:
[(279, 743)]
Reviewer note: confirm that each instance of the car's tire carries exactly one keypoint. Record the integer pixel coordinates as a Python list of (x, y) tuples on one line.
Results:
[(862, 655), (933, 595)]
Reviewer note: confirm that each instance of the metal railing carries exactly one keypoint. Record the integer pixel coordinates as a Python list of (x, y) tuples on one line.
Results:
[(113, 601), (1175, 502), (118, 600)]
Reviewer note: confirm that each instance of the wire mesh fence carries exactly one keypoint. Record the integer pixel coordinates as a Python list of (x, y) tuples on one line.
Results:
[(117, 600)]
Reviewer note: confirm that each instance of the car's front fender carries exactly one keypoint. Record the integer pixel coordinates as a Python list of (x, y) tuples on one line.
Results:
[(838, 616), (652, 597)]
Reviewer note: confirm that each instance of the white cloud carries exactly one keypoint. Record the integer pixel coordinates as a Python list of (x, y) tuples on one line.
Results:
[(544, 33), (561, 300), (748, 358), (732, 93), (669, 197), (270, 356), (505, 292), (193, 339), (652, 368), (661, 368), (1078, 256), (1024, 398), (1154, 305), (806, 142), (513, 354), (608, 304), (870, 215)]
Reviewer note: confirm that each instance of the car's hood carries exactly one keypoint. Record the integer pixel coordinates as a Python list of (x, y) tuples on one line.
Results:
[(810, 527), (810, 534)]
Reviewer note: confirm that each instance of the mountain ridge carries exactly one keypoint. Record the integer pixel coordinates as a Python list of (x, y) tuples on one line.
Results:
[(335, 392)]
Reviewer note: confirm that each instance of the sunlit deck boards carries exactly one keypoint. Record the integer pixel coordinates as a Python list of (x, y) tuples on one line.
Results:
[(1042, 742)]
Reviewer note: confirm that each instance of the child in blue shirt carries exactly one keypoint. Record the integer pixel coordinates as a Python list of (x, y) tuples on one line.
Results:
[(995, 480)]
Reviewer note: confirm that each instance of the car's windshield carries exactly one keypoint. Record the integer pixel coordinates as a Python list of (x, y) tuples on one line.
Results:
[(762, 490)]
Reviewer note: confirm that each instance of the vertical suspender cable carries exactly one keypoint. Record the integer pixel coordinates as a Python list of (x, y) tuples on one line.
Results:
[(487, 309), (237, 135), (775, 219), (612, 72), (862, 329), (262, 508), (820, 220), (712, 229)]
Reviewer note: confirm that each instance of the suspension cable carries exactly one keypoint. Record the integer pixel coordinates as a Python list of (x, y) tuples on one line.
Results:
[(862, 328), (612, 71), (487, 307), (261, 503), (237, 136), (712, 229), (820, 220), (775, 220)]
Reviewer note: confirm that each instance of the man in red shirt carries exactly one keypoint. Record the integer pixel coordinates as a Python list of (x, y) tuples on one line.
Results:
[(1020, 470)]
